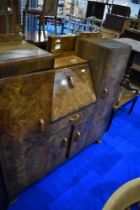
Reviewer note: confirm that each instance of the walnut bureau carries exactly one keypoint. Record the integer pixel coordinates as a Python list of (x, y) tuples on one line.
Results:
[(52, 108)]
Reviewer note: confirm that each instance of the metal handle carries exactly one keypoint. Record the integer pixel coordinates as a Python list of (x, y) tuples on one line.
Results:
[(74, 117), (105, 93), (64, 142), (78, 134), (70, 81), (42, 124)]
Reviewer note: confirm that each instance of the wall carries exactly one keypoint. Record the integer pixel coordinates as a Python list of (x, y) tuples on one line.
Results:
[(81, 6), (134, 7)]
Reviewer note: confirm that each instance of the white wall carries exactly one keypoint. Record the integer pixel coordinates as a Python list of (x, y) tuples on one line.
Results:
[(81, 6), (134, 7)]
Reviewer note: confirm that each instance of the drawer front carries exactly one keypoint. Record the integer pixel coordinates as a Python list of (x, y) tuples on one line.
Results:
[(28, 161), (79, 135)]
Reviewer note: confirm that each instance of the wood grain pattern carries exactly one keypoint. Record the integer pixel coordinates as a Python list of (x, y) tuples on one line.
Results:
[(107, 72), (79, 136), (24, 100), (67, 99), (30, 160), (49, 116)]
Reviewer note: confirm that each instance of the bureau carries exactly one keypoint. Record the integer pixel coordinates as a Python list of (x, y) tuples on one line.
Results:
[(52, 108)]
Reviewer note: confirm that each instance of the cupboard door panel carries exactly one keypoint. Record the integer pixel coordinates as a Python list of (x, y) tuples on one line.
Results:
[(97, 128), (79, 135), (27, 161)]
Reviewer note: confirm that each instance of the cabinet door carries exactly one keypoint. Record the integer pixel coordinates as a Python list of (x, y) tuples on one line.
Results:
[(79, 135), (46, 155), (97, 127), (3, 201), (30, 160)]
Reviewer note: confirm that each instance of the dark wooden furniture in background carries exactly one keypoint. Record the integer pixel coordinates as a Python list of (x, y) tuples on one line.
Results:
[(96, 9), (135, 24), (10, 21), (43, 120), (130, 87), (5, 13), (132, 33), (116, 23), (121, 10)]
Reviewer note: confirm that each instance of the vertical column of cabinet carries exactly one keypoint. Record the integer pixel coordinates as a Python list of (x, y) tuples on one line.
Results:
[(106, 73)]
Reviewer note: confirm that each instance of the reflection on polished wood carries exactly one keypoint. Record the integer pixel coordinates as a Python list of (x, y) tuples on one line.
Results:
[(20, 57), (68, 97), (67, 61), (35, 37)]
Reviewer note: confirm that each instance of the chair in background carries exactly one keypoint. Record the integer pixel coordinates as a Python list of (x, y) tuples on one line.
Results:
[(6, 11), (121, 10), (49, 9), (125, 197)]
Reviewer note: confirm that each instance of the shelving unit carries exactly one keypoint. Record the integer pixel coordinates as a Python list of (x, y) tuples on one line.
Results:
[(76, 24), (135, 24)]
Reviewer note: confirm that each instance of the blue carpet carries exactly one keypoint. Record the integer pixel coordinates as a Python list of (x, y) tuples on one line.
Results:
[(87, 181)]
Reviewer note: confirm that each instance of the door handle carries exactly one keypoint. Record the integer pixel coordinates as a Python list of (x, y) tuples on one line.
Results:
[(42, 124), (70, 81), (64, 142), (105, 93), (77, 136)]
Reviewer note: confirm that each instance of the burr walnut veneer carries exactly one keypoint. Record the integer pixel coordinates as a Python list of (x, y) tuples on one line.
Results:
[(51, 109)]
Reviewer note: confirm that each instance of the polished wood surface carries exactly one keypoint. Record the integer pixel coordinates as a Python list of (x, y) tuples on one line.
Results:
[(22, 58), (23, 104), (67, 61), (59, 44), (73, 89)]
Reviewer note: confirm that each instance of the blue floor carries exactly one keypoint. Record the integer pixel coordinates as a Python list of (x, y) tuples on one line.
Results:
[(88, 180)]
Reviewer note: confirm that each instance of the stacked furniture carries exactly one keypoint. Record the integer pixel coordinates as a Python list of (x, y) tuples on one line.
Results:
[(52, 108), (9, 16), (116, 22)]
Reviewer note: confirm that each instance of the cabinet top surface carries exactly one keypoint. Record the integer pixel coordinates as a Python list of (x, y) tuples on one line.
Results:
[(20, 57), (132, 42), (19, 50), (71, 60), (108, 43)]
